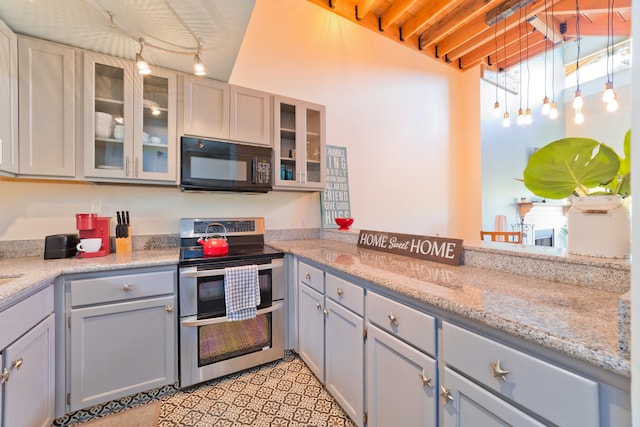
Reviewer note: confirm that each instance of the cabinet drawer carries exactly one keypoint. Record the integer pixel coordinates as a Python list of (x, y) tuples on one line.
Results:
[(560, 396), (311, 276), (345, 293), (121, 287), (418, 328)]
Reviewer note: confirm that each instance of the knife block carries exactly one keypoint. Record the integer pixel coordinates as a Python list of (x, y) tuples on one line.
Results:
[(123, 244)]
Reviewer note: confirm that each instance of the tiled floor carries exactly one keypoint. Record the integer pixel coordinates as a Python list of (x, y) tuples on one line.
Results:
[(281, 393)]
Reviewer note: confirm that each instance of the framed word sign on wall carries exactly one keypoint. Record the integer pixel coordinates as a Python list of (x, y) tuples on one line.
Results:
[(438, 249), (334, 200)]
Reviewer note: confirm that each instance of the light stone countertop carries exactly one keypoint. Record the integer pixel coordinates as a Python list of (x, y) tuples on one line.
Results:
[(33, 273), (578, 321)]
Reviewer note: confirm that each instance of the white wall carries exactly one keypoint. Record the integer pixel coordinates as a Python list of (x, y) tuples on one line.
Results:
[(397, 112)]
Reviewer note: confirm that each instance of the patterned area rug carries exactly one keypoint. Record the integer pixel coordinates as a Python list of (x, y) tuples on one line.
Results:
[(282, 393)]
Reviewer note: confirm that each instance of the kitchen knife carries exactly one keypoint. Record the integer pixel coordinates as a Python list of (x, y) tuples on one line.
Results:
[(126, 223), (119, 225)]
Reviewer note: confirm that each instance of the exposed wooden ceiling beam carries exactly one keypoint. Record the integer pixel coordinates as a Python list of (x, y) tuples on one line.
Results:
[(394, 12), (479, 32), (427, 13), (462, 15), (364, 7)]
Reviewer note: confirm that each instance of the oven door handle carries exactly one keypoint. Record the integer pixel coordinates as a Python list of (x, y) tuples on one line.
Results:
[(220, 272), (193, 321)]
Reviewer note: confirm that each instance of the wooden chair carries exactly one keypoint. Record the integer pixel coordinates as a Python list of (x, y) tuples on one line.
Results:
[(502, 236)]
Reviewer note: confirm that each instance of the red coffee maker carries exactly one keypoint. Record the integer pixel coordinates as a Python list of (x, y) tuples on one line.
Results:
[(91, 226)]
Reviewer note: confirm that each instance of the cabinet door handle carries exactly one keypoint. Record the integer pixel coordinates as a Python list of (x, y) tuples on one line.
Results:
[(126, 167), (393, 320), (135, 167), (340, 291), (307, 276), (499, 371), (445, 393), (126, 287), (325, 312), (16, 364), (4, 377), (169, 308), (426, 381), (318, 306)]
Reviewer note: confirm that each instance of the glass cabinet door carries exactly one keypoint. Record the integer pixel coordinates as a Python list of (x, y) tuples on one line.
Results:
[(287, 144), (108, 124), (299, 145), (152, 150), (313, 151)]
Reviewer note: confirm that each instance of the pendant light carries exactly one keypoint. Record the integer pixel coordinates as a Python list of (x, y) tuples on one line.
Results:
[(141, 64), (609, 96), (553, 111), (520, 119), (496, 105), (545, 101), (506, 122), (528, 119), (578, 103)]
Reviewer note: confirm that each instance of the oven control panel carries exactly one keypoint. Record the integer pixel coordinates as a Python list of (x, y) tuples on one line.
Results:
[(195, 227)]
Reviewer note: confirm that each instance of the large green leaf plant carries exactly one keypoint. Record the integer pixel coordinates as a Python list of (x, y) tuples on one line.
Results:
[(579, 166)]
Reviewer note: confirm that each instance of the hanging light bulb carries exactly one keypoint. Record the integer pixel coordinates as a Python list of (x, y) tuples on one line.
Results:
[(143, 67), (505, 121), (520, 119), (577, 100), (546, 107), (613, 105), (198, 66), (579, 117), (609, 94), (496, 109), (528, 119), (553, 112)]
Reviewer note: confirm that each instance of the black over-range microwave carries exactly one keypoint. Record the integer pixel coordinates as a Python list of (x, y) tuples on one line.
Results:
[(208, 165)]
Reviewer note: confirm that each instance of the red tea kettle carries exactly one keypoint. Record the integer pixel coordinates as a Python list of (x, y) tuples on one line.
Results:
[(214, 245)]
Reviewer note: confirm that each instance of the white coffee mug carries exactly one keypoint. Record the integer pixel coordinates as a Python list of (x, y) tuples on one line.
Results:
[(118, 131), (89, 245)]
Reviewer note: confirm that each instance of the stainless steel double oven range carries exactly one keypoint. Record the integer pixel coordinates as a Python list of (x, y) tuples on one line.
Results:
[(210, 345)]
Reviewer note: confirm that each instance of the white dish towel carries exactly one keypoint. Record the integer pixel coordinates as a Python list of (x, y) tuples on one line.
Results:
[(241, 292)]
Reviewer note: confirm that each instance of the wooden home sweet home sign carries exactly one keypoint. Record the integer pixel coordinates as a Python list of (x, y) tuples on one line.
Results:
[(437, 249)]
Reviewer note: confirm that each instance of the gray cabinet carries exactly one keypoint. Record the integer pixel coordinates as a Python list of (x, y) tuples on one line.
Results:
[(217, 110), (27, 362), (46, 78), (129, 122), (330, 335), (121, 336), (299, 145), (205, 107), (8, 100), (249, 116), (520, 379), (468, 405), (401, 376)]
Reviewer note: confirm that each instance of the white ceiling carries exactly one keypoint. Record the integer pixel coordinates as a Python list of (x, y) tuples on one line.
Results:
[(221, 25)]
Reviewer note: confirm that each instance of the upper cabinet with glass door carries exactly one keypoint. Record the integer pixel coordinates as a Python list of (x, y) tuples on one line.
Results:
[(299, 145), (129, 124)]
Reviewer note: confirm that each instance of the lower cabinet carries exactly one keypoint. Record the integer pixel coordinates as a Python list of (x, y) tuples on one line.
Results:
[(520, 378), (121, 335), (423, 370), (467, 405), (401, 383), (27, 364), (330, 336)]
